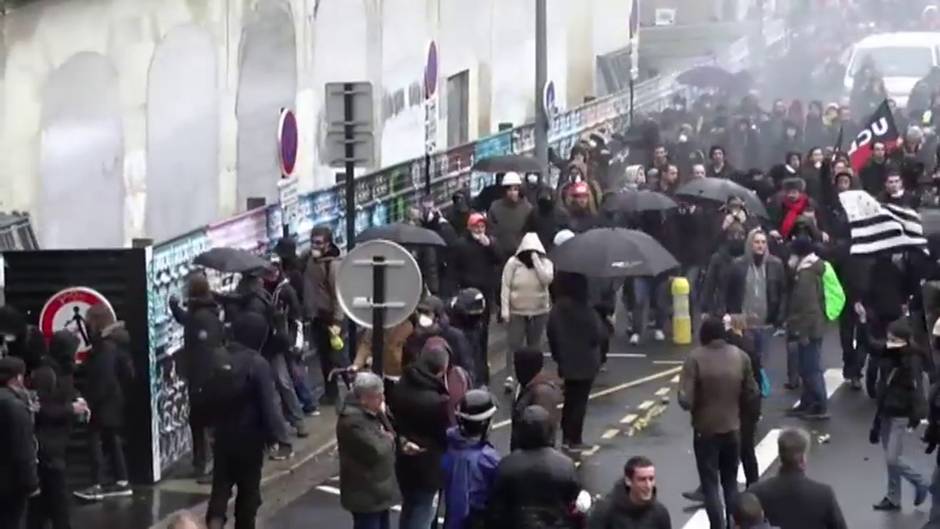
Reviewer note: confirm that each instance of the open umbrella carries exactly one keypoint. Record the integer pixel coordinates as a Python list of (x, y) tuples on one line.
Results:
[(612, 252), (230, 260), (401, 233), (720, 190), (636, 201), (507, 163)]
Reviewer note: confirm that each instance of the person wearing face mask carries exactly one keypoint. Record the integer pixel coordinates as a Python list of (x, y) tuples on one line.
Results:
[(806, 322), (475, 261), (19, 477), (322, 310), (546, 219), (719, 266), (902, 403), (507, 217), (582, 213), (429, 321)]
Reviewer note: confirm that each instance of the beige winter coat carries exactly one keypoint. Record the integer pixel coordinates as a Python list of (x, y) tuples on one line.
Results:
[(525, 290)]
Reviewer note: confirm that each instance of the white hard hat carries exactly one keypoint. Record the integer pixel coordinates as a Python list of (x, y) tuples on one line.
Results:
[(512, 179)]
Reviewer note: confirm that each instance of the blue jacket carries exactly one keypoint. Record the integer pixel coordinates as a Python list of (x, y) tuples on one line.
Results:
[(469, 470)]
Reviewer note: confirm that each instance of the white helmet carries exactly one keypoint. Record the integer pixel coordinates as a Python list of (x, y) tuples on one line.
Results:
[(512, 179)]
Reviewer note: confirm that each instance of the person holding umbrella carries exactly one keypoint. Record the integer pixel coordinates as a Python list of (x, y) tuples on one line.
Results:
[(525, 301)]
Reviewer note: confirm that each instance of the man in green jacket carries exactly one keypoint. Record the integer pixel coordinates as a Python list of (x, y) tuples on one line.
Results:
[(806, 322)]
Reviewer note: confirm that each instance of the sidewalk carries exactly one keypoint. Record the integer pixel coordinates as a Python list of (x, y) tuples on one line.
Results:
[(281, 482)]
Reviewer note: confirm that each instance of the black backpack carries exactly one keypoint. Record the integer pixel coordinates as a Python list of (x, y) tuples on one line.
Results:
[(228, 382)]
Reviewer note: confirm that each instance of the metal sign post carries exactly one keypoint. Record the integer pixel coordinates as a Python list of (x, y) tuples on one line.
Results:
[(349, 117), (379, 286), (430, 113)]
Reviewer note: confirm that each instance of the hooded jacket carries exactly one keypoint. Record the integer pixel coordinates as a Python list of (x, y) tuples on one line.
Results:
[(108, 370), (420, 405), (806, 318), (54, 383), (543, 390), (535, 485), (319, 293), (618, 511), (469, 471), (507, 222), (546, 219), (901, 390), (203, 333), (525, 290), (366, 444), (774, 277), (575, 333)]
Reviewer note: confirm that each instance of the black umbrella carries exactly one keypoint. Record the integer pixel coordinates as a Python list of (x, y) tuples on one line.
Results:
[(230, 260), (707, 77), (720, 190), (505, 164), (612, 252), (401, 233), (636, 201)]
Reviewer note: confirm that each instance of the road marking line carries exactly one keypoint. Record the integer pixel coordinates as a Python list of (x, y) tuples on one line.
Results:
[(628, 419), (675, 379), (645, 405), (662, 392), (609, 391), (766, 450), (669, 362), (610, 434), (328, 489), (592, 451)]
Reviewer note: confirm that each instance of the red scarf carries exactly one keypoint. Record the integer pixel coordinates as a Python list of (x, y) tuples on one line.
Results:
[(794, 210)]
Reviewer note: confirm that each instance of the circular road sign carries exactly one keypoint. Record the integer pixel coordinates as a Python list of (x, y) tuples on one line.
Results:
[(66, 310), (430, 71), (403, 283), (287, 141)]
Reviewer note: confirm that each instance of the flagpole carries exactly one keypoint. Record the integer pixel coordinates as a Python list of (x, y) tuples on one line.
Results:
[(634, 52)]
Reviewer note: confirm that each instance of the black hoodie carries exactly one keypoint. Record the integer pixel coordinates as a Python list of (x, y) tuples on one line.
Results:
[(109, 370), (54, 384), (618, 511)]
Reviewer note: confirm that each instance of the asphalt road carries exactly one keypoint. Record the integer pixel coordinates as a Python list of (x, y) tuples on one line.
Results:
[(628, 415)]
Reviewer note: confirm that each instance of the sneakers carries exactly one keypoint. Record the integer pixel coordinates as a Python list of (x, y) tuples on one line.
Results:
[(509, 385), (634, 339), (119, 489), (92, 493), (659, 335), (312, 411), (886, 505), (282, 452), (301, 429)]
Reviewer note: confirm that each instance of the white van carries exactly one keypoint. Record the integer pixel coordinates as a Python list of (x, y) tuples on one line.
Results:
[(901, 58)]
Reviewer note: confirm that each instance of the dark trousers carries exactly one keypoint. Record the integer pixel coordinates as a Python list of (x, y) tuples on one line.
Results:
[(13, 512), (572, 415), (238, 466), (371, 520), (748, 454), (852, 356), (199, 427), (101, 438), (52, 504), (716, 457), (329, 359)]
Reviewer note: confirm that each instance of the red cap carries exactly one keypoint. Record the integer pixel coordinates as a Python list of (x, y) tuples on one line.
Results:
[(475, 218)]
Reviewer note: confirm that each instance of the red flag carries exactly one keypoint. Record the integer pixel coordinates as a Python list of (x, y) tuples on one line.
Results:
[(880, 128)]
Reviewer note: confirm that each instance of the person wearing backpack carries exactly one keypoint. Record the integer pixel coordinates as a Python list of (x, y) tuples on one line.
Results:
[(469, 463), (109, 371), (241, 392)]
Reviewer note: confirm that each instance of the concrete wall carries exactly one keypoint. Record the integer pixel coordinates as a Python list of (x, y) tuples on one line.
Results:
[(122, 118)]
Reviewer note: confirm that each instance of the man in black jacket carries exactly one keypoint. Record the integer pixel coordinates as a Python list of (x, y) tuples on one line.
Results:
[(419, 405), (632, 503), (475, 260), (875, 171), (790, 499), (932, 438), (18, 475), (59, 406), (246, 421), (203, 333), (536, 485), (108, 370)]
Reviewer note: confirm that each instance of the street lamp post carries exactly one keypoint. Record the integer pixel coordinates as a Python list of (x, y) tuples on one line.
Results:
[(541, 78)]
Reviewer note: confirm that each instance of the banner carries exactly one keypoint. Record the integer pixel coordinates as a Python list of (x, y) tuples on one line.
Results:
[(880, 128), (877, 227)]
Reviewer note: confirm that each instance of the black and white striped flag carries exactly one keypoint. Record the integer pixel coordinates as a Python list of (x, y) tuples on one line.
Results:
[(878, 227)]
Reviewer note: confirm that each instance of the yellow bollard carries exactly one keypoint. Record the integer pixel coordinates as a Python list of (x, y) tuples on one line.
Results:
[(681, 318)]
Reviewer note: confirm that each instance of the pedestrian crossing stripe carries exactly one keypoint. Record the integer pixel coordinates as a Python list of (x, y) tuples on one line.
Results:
[(610, 434), (645, 405), (628, 419), (661, 392)]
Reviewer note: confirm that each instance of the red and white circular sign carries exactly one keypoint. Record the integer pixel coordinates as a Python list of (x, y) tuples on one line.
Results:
[(66, 309)]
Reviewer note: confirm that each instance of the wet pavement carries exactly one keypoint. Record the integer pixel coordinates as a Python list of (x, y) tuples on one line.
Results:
[(628, 417)]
